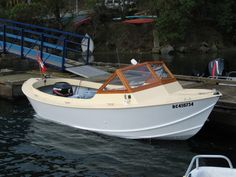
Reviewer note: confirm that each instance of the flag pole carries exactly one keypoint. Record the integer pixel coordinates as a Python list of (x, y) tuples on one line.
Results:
[(42, 68)]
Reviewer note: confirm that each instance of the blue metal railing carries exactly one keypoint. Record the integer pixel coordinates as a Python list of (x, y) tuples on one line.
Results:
[(24, 38)]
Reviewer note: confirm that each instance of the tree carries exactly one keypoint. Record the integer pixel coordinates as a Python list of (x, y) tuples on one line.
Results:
[(176, 18), (55, 9), (29, 13)]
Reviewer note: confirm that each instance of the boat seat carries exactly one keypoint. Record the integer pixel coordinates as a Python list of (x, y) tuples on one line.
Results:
[(84, 93)]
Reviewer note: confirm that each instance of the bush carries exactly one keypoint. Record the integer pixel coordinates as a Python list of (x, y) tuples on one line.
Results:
[(29, 13)]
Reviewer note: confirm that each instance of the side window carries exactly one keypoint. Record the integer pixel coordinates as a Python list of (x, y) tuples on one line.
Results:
[(160, 71), (114, 84)]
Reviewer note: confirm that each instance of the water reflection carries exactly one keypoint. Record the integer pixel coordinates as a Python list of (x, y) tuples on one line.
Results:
[(189, 63), (14, 122), (109, 156)]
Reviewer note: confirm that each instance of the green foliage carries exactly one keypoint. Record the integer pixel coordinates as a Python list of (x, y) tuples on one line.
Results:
[(3, 3), (3, 13), (3, 10), (227, 16), (53, 7), (55, 10), (26, 12), (176, 18), (90, 3)]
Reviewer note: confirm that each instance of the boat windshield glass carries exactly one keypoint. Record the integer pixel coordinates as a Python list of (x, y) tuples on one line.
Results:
[(160, 71), (114, 84), (139, 76)]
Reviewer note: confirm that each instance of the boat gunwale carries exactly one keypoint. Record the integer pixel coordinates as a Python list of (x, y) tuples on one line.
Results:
[(66, 100)]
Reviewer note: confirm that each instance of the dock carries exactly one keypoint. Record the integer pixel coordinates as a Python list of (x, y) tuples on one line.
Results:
[(11, 82), (10, 85), (224, 115), (226, 87)]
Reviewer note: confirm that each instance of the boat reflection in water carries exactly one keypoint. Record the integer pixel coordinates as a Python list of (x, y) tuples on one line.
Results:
[(136, 102)]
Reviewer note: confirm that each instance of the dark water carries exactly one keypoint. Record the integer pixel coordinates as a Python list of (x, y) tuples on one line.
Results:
[(186, 64), (33, 147)]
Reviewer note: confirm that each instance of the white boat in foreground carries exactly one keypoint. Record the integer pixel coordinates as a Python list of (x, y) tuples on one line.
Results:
[(136, 102), (210, 171)]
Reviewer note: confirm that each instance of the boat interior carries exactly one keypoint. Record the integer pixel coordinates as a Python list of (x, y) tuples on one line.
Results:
[(78, 91)]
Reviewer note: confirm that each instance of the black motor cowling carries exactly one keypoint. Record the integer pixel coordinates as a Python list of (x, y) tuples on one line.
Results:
[(62, 89)]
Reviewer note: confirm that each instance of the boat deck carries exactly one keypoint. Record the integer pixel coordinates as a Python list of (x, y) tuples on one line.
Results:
[(224, 114), (227, 88)]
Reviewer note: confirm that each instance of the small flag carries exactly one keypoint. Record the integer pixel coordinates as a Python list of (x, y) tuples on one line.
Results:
[(41, 65)]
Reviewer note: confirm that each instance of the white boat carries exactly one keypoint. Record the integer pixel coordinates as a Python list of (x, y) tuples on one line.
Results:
[(136, 102), (210, 171)]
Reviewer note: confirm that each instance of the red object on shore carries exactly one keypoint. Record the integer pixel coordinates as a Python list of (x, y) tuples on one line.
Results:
[(41, 65), (138, 21), (86, 20)]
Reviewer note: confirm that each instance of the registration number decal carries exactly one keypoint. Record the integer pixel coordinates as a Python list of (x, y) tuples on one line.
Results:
[(182, 105)]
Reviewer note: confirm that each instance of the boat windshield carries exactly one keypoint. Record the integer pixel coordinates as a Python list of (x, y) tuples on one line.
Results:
[(137, 77)]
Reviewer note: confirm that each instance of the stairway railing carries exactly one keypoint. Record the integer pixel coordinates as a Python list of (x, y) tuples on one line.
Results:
[(29, 39)]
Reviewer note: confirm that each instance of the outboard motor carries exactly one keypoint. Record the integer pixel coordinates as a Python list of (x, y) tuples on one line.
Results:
[(216, 67), (62, 89)]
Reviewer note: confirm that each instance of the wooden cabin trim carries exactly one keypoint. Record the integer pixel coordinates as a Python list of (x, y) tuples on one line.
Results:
[(100, 90), (153, 73), (167, 81), (123, 80), (168, 71)]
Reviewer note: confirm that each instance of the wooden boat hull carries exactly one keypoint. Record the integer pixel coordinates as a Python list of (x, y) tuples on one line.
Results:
[(162, 122)]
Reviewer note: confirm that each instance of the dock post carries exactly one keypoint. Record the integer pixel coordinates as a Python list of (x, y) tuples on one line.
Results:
[(4, 38), (63, 55), (88, 52), (41, 46), (22, 43)]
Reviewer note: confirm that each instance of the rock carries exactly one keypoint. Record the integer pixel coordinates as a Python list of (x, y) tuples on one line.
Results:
[(204, 49), (166, 50), (205, 44), (156, 42), (182, 49), (156, 50), (110, 45), (214, 48)]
